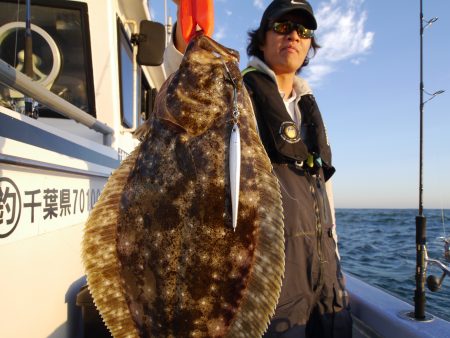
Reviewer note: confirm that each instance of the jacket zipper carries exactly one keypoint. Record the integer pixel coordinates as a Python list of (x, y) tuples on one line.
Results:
[(325, 204), (319, 228)]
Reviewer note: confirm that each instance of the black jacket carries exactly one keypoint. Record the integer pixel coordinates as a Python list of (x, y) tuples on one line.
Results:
[(312, 270)]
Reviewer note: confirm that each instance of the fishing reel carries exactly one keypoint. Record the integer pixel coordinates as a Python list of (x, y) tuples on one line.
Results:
[(434, 283)]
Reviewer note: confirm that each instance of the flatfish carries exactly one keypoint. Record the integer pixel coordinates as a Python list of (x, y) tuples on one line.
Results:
[(161, 255)]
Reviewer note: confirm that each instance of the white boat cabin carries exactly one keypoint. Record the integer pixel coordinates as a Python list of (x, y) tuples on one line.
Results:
[(89, 95)]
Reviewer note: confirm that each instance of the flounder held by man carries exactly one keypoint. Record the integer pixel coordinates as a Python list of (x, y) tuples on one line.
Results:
[(161, 254)]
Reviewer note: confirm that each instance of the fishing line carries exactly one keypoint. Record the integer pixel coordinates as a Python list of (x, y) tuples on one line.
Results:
[(287, 192), (444, 238)]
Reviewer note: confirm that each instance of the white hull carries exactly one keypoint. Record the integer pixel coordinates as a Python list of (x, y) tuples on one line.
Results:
[(384, 315), (36, 277), (49, 195)]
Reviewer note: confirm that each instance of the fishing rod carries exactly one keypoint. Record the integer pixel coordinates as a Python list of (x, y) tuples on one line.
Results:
[(421, 240), (28, 58)]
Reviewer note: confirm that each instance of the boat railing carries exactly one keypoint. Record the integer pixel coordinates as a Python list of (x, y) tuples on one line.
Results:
[(10, 77)]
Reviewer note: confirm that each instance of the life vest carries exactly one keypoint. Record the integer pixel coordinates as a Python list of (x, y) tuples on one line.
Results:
[(279, 133)]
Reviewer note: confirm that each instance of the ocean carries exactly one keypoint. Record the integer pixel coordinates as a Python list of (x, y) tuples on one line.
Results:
[(378, 246)]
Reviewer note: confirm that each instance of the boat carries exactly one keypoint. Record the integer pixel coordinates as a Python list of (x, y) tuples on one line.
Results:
[(61, 136), (89, 95)]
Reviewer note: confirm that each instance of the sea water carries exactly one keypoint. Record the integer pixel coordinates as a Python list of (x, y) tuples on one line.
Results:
[(378, 246)]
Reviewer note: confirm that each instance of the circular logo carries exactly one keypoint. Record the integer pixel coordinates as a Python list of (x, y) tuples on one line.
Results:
[(289, 132), (10, 206)]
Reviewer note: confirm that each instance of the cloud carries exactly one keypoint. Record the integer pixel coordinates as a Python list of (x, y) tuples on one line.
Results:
[(259, 4), (220, 34), (318, 71), (356, 61), (342, 34)]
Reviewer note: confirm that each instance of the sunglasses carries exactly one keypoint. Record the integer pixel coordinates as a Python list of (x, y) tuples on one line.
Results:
[(287, 27)]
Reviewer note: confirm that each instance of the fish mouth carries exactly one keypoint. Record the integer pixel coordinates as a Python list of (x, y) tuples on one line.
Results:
[(209, 44)]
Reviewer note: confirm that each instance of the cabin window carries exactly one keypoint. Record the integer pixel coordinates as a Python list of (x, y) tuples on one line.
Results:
[(61, 50), (126, 76)]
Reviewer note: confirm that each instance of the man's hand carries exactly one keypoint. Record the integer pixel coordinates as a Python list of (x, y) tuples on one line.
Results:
[(179, 42)]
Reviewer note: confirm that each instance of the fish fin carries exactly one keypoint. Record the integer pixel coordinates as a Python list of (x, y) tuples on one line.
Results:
[(261, 297), (100, 255)]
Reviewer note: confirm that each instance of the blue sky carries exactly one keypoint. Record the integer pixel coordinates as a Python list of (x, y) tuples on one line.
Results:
[(366, 80)]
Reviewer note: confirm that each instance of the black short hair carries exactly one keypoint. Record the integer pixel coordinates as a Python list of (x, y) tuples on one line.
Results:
[(256, 39)]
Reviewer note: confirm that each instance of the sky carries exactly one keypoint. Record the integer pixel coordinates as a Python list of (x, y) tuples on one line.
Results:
[(366, 82)]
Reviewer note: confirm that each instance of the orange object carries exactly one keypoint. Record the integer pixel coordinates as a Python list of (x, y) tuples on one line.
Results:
[(196, 12), (204, 15), (187, 18)]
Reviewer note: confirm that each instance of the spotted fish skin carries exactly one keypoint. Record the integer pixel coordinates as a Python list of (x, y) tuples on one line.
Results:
[(176, 267)]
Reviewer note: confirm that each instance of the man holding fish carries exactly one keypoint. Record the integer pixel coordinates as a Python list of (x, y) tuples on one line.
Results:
[(313, 300)]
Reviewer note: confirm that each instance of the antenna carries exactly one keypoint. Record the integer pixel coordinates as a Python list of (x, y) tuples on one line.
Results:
[(167, 23)]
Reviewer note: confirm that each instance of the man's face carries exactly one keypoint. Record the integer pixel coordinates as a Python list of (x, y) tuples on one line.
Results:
[(285, 54)]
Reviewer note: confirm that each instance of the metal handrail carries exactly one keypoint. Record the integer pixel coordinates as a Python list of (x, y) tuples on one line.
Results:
[(22, 83)]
